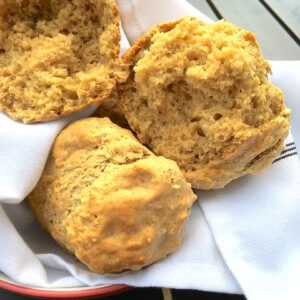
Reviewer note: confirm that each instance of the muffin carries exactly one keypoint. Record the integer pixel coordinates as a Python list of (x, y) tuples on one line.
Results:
[(57, 57), (199, 94), (110, 201)]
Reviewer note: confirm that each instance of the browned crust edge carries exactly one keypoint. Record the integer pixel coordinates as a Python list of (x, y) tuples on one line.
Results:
[(140, 43)]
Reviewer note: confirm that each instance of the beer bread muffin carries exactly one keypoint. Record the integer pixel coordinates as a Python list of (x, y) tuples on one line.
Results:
[(199, 94), (57, 57), (107, 199)]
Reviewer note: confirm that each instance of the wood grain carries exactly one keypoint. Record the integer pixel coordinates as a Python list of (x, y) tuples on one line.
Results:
[(289, 12)]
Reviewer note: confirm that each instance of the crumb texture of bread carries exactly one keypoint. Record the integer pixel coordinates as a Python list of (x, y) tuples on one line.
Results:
[(110, 201), (199, 94), (57, 57), (109, 108)]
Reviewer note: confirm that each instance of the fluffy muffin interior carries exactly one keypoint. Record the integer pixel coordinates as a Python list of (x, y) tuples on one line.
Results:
[(198, 91), (56, 56)]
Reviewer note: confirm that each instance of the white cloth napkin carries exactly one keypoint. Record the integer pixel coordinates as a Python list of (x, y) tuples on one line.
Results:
[(254, 220)]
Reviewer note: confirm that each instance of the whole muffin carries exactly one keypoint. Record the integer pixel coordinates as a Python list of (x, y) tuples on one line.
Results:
[(199, 94), (57, 57), (107, 199)]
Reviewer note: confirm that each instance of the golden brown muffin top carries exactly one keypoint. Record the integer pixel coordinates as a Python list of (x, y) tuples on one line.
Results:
[(106, 198)]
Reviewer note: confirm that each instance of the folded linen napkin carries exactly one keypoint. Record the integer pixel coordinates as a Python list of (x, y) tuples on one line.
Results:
[(253, 220)]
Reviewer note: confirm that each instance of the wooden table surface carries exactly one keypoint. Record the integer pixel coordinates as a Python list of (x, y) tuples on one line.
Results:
[(276, 24)]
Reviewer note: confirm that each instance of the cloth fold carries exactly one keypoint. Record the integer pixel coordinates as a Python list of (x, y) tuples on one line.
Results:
[(244, 238), (256, 225)]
